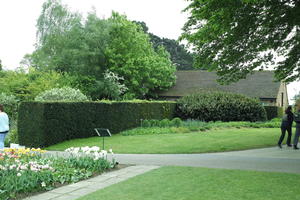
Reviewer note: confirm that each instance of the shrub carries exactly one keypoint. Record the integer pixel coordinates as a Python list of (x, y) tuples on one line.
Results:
[(10, 104), (176, 122), (273, 112), (12, 137), (219, 106), (61, 94), (42, 124)]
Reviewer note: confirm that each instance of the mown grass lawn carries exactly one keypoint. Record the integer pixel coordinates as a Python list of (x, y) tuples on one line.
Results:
[(188, 183), (197, 142)]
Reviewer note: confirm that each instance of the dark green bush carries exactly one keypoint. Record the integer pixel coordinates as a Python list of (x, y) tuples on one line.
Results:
[(273, 112), (41, 124), (220, 106)]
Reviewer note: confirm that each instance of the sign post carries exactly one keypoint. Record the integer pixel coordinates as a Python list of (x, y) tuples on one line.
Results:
[(103, 132)]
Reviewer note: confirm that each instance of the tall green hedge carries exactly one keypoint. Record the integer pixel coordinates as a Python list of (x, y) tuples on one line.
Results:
[(43, 124)]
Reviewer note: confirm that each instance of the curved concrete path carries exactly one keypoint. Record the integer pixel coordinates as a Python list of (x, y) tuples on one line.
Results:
[(267, 159)]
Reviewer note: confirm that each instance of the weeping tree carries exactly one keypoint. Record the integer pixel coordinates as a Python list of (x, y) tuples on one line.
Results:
[(237, 37)]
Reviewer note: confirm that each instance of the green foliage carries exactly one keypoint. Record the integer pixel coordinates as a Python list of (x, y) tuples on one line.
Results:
[(219, 106), (236, 37), (61, 94), (182, 58), (110, 87), (131, 55), (12, 137), (150, 127), (273, 112), (88, 47), (10, 104), (176, 122), (43, 124), (26, 86)]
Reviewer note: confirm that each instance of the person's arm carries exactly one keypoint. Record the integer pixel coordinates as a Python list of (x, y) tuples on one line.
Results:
[(297, 117)]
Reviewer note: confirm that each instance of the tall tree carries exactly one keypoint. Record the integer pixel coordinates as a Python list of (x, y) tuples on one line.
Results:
[(238, 36), (180, 56), (89, 47), (1, 66)]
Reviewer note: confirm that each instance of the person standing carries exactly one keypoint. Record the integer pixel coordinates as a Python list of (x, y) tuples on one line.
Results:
[(297, 120), (286, 125), (4, 126)]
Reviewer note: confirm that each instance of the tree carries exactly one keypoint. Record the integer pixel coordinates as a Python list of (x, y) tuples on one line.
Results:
[(88, 47), (239, 36), (182, 58), (27, 85), (1, 68), (131, 55)]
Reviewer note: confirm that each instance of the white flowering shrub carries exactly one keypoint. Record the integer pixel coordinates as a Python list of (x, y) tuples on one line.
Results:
[(10, 104), (61, 94), (111, 87)]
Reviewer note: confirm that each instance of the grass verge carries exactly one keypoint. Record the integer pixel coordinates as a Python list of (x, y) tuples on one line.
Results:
[(196, 142), (188, 183)]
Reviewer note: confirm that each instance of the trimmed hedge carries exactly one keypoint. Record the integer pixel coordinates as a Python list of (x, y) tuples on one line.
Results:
[(220, 106), (273, 112), (41, 124)]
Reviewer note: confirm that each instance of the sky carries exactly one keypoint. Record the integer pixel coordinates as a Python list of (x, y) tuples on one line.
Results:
[(18, 19)]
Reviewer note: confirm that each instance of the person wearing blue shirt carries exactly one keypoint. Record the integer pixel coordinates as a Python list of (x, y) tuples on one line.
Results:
[(4, 126)]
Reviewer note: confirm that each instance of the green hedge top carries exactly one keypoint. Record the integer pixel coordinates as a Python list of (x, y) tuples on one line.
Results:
[(42, 124)]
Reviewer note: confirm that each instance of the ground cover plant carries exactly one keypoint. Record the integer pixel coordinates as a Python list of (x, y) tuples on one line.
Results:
[(215, 140), (176, 125), (200, 183), (25, 171)]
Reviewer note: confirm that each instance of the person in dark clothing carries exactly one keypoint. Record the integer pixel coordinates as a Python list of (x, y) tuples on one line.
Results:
[(297, 120), (286, 125)]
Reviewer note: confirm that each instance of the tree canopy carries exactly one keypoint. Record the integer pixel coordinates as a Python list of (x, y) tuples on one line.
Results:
[(237, 37), (88, 47), (180, 56)]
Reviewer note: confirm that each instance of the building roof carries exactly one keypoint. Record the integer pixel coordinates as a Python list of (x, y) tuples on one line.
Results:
[(261, 84)]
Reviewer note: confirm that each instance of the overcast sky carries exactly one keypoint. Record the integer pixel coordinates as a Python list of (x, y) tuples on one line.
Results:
[(18, 19)]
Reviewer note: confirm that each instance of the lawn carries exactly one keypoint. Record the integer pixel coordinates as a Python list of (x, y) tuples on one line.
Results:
[(197, 142), (188, 183)]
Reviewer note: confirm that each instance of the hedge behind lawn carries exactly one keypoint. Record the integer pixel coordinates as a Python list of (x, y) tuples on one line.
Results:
[(220, 106), (273, 112), (43, 124)]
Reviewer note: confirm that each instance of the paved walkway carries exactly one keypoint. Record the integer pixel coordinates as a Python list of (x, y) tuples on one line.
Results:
[(83, 188), (267, 159)]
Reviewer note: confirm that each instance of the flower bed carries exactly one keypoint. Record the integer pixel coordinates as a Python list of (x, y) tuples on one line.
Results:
[(25, 171)]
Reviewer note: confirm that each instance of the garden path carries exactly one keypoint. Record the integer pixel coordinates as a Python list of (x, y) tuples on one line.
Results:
[(266, 159), (82, 188)]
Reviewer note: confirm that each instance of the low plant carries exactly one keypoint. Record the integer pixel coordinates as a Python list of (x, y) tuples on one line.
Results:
[(26, 171), (178, 126)]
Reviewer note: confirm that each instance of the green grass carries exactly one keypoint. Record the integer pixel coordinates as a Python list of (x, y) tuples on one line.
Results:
[(196, 142), (188, 183)]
